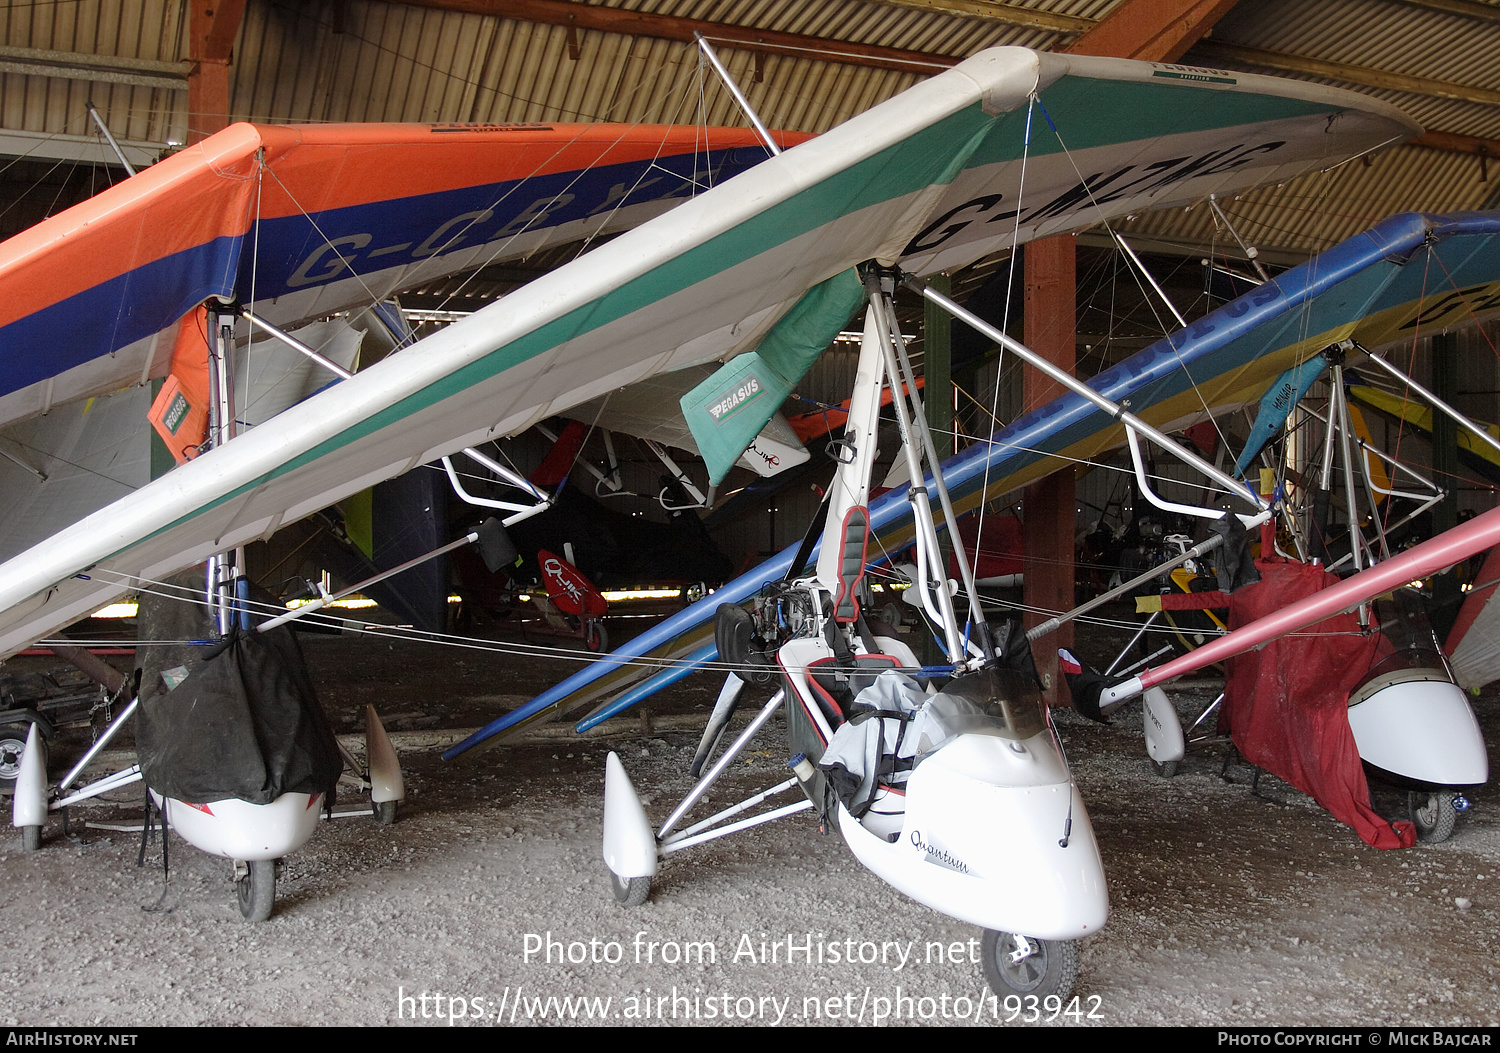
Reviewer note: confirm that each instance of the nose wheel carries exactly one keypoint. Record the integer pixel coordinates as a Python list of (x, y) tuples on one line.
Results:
[(255, 890), (629, 892), (12, 745), (1028, 967), (595, 636), (1433, 814)]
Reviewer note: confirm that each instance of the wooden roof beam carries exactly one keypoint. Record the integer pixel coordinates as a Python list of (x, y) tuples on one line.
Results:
[(1192, 18), (1189, 24), (1482, 150), (1009, 14), (1460, 144), (669, 27), (1015, 15), (1465, 8), (1151, 30)]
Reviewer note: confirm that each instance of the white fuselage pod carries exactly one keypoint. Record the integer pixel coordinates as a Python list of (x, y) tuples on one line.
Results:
[(994, 834), (237, 829), (1417, 724)]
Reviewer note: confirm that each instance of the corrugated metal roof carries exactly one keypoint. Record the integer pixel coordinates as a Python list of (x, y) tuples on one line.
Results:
[(1378, 34), (133, 29), (368, 60), (1312, 213)]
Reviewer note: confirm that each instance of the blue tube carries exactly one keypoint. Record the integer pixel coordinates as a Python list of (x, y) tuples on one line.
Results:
[(650, 686)]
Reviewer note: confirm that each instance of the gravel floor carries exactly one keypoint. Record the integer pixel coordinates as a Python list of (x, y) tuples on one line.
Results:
[(1228, 907)]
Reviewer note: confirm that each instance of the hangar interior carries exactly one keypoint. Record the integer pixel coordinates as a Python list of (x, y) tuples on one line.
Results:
[(1287, 919)]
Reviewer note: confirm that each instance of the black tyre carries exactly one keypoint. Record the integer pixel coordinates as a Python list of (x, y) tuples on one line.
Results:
[(12, 745), (1167, 770), (31, 838), (629, 892), (595, 636), (1051, 967), (385, 812), (256, 891), (1433, 815)]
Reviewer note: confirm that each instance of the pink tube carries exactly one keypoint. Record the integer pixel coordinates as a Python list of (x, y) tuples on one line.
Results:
[(1446, 549)]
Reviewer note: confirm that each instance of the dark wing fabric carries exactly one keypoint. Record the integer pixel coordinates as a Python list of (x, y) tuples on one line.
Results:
[(1233, 564), (1085, 684), (246, 724)]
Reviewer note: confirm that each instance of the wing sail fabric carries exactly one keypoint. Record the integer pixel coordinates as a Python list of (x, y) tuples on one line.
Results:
[(310, 220), (728, 410)]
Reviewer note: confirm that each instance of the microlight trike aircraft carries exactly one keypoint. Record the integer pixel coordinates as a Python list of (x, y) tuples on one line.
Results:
[(930, 180)]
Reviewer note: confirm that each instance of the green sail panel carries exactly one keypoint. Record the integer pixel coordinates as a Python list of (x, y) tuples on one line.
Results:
[(728, 410)]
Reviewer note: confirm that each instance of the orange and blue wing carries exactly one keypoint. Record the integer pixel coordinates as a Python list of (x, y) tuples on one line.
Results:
[(309, 220)]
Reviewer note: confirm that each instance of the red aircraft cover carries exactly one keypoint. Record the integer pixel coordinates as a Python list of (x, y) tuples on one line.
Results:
[(1287, 705)]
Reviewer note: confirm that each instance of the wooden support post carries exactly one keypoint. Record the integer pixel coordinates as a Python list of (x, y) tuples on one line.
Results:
[(212, 27), (208, 99), (1050, 330), (1153, 30)]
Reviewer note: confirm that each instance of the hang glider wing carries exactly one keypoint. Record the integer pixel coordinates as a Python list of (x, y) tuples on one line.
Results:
[(703, 282), (57, 468), (309, 220), (305, 221), (1370, 288)]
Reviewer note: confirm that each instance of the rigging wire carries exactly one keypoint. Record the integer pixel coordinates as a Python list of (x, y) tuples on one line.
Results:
[(1089, 191), (1032, 101)]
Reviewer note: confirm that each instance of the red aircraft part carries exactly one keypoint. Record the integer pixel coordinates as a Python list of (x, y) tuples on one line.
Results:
[(567, 588), (821, 422)]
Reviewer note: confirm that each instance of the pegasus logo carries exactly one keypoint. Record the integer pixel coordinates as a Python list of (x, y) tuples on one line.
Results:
[(733, 400)]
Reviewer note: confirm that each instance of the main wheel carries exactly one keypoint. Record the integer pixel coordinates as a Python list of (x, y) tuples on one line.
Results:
[(385, 812), (31, 838), (629, 892), (595, 636), (1433, 814), (12, 745), (1166, 771), (1047, 967), (256, 891)]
